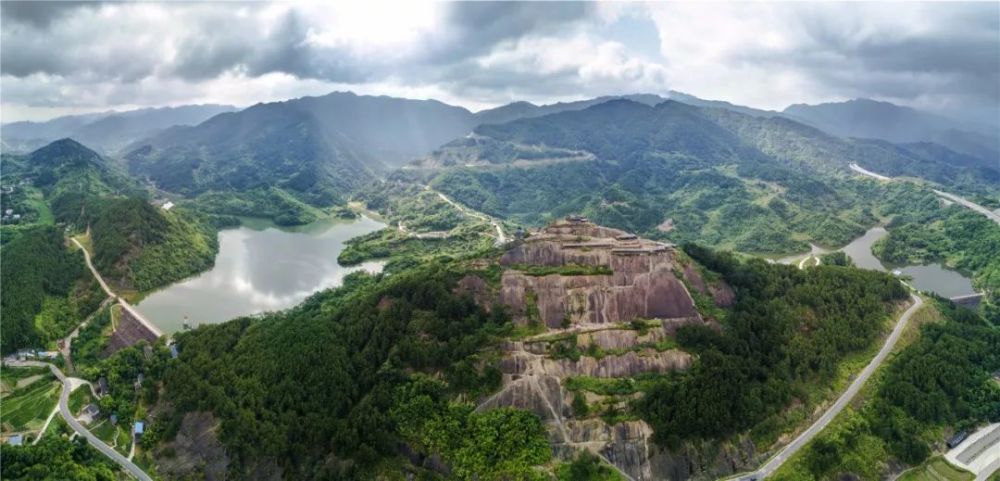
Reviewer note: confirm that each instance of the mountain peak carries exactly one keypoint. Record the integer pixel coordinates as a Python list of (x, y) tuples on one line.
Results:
[(62, 147)]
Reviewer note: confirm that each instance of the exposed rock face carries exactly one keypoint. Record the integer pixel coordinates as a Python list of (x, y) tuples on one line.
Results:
[(520, 363), (626, 279), (642, 283), (195, 451), (721, 293)]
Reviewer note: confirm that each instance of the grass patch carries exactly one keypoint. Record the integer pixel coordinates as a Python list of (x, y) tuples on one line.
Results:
[(79, 398), (564, 270), (936, 469), (27, 408)]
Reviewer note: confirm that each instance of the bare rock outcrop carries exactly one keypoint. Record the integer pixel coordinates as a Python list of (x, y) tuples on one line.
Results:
[(195, 450), (587, 284), (640, 283)]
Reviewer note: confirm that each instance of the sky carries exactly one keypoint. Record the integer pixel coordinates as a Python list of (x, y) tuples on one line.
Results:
[(59, 58)]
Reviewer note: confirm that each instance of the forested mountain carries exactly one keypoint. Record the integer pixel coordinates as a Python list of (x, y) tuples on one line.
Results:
[(315, 148), (136, 244), (107, 132), (41, 274), (409, 373), (522, 110), (680, 172), (864, 118)]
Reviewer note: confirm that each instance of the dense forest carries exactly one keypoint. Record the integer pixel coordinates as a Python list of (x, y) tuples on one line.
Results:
[(940, 383), (327, 377), (789, 328), (140, 246), (43, 279), (669, 172), (56, 458), (923, 230)]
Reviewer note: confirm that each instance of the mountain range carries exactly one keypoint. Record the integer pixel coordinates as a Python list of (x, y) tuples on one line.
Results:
[(864, 118), (321, 149), (107, 132)]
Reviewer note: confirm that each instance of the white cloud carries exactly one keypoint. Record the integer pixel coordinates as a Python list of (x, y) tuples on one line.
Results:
[(59, 58)]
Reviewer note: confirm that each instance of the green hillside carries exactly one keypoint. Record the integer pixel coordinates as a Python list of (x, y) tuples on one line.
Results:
[(682, 173)]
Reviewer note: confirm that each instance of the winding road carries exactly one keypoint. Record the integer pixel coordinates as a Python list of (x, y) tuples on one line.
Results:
[(501, 237), (940, 193), (94, 441), (793, 447)]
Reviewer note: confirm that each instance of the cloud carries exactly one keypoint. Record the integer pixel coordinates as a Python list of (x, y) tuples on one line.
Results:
[(110, 55), (38, 14), (922, 54)]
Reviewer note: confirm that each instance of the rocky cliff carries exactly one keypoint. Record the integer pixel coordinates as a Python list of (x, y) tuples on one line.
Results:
[(604, 306)]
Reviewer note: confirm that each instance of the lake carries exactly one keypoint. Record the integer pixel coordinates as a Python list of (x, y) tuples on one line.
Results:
[(932, 277), (260, 268)]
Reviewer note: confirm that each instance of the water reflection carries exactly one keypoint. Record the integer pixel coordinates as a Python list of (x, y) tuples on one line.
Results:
[(933, 277), (260, 269)]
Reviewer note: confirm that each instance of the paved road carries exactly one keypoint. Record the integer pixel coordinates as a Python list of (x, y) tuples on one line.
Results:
[(793, 447), (100, 280), (969, 204), (501, 238), (125, 305), (96, 442), (948, 196)]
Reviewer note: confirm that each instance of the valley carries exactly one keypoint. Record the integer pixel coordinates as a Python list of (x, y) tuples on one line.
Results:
[(482, 327)]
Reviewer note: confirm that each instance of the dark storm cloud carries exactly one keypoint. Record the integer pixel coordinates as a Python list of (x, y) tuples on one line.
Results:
[(37, 13), (478, 26), (488, 52)]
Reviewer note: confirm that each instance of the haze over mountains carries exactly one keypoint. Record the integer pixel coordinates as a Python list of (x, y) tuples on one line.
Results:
[(319, 148), (108, 132), (866, 118)]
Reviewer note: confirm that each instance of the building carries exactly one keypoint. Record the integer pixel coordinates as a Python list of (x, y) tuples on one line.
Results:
[(102, 386), (8, 212), (957, 439), (173, 351), (15, 440), (139, 428), (91, 410), (48, 354), (114, 419), (167, 205)]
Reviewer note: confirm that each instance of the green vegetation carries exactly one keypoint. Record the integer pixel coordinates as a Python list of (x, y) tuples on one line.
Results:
[(936, 469), (140, 246), (27, 407), (122, 370), (924, 231), (404, 250), (789, 328), (564, 270), (79, 398), (90, 342), (56, 458), (676, 172), (587, 467), (321, 379), (937, 384), (46, 289), (266, 202), (499, 444)]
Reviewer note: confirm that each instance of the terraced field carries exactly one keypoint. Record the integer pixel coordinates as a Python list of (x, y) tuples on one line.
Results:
[(26, 408)]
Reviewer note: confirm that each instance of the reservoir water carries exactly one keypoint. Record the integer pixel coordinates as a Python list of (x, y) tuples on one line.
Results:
[(932, 277), (260, 268)]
